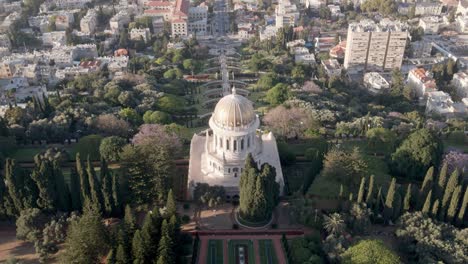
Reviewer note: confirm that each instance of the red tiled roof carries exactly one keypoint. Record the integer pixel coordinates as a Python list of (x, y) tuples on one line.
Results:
[(158, 4)]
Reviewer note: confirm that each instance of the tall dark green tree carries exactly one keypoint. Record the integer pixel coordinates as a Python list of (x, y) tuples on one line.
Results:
[(165, 252), (138, 248), (121, 256), (171, 208), (116, 195), (362, 186), (43, 175), (106, 180), (453, 207), (441, 181), (111, 256), (87, 240), (426, 186), (61, 188), (461, 213), (427, 204), (150, 234), (389, 200), (84, 182), (449, 189), (370, 191), (407, 200), (75, 190), (94, 185), (259, 191), (421, 150)]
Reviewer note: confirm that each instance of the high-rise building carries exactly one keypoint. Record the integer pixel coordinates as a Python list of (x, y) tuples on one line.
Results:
[(375, 47)]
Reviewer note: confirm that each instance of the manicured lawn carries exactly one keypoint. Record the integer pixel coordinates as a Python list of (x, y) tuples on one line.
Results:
[(215, 252), (233, 250), (267, 252), (26, 154)]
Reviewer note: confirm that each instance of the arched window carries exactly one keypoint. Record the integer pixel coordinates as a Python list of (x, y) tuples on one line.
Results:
[(248, 142), (227, 144), (221, 142), (235, 175), (229, 170), (235, 145), (242, 144)]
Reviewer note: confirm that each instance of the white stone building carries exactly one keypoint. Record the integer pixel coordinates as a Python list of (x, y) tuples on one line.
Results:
[(140, 34), (421, 82), (439, 102), (430, 24), (286, 13), (375, 83), (428, 9), (54, 38), (460, 82), (375, 47), (332, 67), (217, 155), (89, 22), (119, 20)]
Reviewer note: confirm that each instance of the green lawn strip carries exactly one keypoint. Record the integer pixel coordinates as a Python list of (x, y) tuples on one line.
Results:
[(232, 244), (267, 252), (215, 252)]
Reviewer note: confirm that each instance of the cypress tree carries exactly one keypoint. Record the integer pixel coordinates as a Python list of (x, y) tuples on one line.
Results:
[(441, 182), (111, 256), (94, 185), (378, 200), (75, 191), (165, 254), (341, 194), (138, 248), (360, 196), (106, 180), (397, 206), (43, 175), (129, 221), (150, 234), (461, 213), (84, 182), (370, 192), (13, 186), (121, 256), (407, 200), (388, 211), (435, 208), (62, 191), (426, 186), (350, 197), (7, 207), (449, 189), (116, 195), (452, 210), (171, 207), (427, 204)]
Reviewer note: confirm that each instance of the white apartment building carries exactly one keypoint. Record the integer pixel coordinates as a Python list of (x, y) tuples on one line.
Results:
[(421, 82), (375, 83), (375, 47), (460, 82), (140, 34), (54, 38), (428, 9), (89, 22), (332, 67), (286, 13), (439, 102), (119, 20), (430, 24)]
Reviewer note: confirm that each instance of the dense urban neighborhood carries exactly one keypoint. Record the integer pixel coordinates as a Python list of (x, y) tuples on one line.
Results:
[(233, 131)]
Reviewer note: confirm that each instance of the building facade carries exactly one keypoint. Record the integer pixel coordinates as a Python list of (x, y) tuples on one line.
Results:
[(217, 155), (375, 47)]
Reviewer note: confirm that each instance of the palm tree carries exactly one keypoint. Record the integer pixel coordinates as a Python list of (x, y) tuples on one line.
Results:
[(334, 224)]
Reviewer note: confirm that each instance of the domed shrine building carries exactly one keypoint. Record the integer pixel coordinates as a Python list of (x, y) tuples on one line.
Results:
[(217, 155)]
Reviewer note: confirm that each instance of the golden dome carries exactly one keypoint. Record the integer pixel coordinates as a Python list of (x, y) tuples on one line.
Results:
[(233, 111)]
